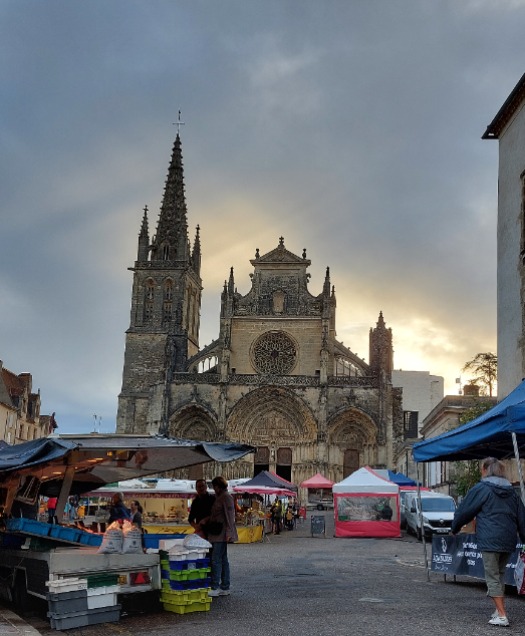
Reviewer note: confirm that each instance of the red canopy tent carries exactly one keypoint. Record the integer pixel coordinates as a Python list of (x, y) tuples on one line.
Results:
[(317, 481)]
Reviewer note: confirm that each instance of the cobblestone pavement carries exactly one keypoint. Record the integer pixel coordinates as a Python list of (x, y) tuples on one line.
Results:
[(294, 583)]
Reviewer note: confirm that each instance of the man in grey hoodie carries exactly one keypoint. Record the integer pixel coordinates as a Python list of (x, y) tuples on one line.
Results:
[(500, 518)]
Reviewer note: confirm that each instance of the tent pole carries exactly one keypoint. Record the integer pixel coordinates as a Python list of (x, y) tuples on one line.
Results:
[(518, 463), (423, 541)]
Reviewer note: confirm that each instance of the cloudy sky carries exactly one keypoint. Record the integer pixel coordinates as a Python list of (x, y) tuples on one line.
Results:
[(350, 127)]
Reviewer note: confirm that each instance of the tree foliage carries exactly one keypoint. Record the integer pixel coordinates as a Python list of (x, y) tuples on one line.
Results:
[(485, 369), (468, 473)]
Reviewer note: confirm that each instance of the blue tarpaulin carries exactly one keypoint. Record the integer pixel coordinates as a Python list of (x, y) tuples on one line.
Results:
[(400, 479), (489, 435)]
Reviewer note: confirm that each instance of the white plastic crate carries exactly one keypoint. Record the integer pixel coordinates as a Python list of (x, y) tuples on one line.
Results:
[(103, 589), (187, 555), (167, 544), (66, 585), (101, 600)]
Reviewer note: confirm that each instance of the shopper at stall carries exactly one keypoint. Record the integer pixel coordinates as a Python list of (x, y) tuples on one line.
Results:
[(51, 509), (221, 531), (118, 511), (200, 509), (136, 513), (500, 518), (277, 515)]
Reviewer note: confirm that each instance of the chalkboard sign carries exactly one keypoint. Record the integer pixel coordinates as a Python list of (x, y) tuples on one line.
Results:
[(317, 525)]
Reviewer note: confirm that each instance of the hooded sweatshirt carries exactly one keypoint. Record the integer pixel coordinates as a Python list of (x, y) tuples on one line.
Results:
[(499, 514)]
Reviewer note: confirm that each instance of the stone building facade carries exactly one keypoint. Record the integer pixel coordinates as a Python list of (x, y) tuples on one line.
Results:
[(20, 418), (276, 376), (508, 127)]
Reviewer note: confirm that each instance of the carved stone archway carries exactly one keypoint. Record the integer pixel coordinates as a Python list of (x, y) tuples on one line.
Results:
[(352, 433), (270, 416), (193, 422)]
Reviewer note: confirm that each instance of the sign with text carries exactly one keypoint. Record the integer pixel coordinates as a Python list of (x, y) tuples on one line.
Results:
[(317, 525), (460, 555)]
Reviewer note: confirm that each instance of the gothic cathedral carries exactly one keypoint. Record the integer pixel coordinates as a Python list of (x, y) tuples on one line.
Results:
[(276, 376)]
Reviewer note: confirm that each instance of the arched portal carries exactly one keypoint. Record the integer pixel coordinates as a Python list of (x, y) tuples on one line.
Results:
[(278, 423), (192, 422), (352, 437)]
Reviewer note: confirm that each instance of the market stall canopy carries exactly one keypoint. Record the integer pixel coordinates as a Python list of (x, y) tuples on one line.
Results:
[(490, 434), (317, 481), (264, 490), (266, 478), (94, 460), (397, 478), (365, 480)]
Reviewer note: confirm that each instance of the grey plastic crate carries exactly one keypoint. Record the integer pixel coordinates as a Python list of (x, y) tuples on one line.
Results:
[(67, 602), (89, 617)]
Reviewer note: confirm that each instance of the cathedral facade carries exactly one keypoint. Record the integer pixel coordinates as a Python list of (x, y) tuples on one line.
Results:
[(276, 377)]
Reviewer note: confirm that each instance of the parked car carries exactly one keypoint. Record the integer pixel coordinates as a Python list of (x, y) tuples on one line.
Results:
[(437, 512)]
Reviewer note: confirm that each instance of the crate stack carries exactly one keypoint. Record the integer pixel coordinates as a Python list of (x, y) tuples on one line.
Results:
[(77, 602), (186, 580)]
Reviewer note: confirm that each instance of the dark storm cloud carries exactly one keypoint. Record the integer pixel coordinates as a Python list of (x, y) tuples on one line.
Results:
[(350, 128)]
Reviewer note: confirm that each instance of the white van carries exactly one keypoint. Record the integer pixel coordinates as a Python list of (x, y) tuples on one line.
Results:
[(437, 513)]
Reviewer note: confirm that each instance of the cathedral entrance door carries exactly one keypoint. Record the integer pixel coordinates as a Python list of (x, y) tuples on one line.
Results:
[(261, 460), (284, 463)]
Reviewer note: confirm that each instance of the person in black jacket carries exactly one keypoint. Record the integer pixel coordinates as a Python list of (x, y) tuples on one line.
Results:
[(500, 518), (201, 508)]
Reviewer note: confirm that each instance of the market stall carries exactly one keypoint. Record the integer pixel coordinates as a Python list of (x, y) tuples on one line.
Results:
[(498, 432), (166, 504), (366, 505), (61, 466), (319, 490)]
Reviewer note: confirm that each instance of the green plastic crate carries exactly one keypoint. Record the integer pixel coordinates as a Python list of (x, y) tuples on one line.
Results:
[(196, 606), (189, 575)]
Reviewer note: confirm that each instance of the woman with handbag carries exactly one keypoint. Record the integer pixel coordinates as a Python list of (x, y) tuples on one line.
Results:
[(500, 518), (221, 531)]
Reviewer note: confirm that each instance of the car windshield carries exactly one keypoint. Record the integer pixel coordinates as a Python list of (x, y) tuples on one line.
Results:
[(438, 505)]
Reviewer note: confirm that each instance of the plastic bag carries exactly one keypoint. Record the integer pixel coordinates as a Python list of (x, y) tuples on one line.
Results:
[(194, 541), (519, 573), (112, 540), (132, 539)]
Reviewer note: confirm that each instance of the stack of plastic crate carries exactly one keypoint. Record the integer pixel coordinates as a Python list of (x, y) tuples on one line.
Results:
[(73, 603), (185, 581)]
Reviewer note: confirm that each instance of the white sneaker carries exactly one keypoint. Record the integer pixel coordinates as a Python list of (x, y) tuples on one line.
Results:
[(502, 621), (213, 592), (224, 592)]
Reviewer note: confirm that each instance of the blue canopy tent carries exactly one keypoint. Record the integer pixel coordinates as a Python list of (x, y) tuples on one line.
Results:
[(499, 432)]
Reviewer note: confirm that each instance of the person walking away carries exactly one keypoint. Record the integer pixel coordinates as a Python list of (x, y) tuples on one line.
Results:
[(136, 513), (51, 509), (118, 511), (221, 531), (200, 508), (500, 518), (277, 514)]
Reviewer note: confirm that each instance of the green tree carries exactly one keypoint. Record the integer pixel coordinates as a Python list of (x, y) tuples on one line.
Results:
[(468, 473), (485, 369)]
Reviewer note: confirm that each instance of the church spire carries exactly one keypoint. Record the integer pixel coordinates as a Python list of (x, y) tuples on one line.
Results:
[(196, 254), (143, 249), (171, 241)]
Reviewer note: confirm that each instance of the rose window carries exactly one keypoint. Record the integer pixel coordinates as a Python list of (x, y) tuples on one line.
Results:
[(274, 352)]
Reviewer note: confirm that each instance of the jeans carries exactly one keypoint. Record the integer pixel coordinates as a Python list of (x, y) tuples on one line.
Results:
[(220, 566)]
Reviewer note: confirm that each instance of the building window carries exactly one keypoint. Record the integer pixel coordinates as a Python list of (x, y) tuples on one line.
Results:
[(149, 300)]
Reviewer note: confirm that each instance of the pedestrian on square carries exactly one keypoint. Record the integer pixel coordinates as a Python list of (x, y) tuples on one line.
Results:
[(118, 511), (500, 518), (200, 509), (221, 531)]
